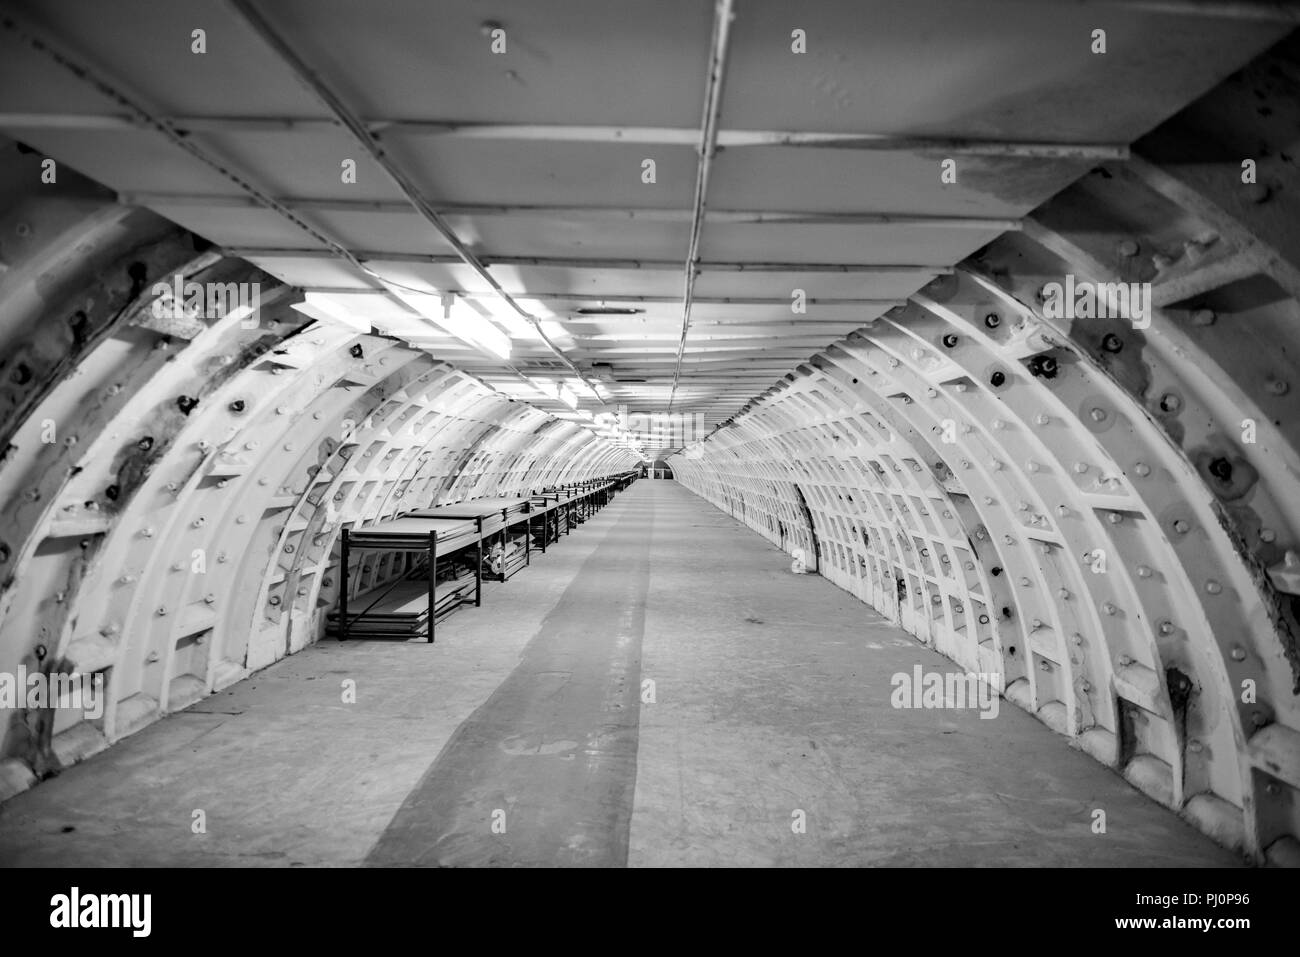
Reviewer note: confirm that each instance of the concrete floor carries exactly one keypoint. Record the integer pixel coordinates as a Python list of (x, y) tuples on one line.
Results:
[(771, 698)]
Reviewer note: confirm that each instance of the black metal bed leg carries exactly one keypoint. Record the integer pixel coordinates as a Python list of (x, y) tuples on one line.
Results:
[(343, 590), (478, 565), (433, 581)]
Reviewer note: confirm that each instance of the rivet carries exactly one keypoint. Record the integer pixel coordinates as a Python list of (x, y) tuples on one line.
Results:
[(221, 558), (1213, 587), (1170, 402), (1144, 571), (1142, 469), (1064, 594), (1125, 661), (1085, 684), (288, 446), (147, 532), (1238, 653), (1195, 746), (241, 520), (198, 522), (1181, 527), (1042, 418), (1127, 247), (315, 415), (1109, 608), (209, 598), (1097, 414), (965, 463), (970, 566), (178, 566), (281, 410), (1033, 466), (999, 424), (1062, 511), (1037, 622), (1203, 317), (1166, 627), (1024, 582), (1267, 535), (995, 465), (273, 600), (1078, 638), (162, 611), (1114, 518), (1080, 467), (1277, 387)]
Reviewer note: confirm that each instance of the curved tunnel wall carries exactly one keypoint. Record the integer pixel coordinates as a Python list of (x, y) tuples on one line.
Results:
[(1043, 503), (175, 489)]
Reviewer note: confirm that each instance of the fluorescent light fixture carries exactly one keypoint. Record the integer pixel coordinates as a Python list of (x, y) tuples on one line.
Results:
[(464, 323), (458, 319), (546, 387), (323, 309)]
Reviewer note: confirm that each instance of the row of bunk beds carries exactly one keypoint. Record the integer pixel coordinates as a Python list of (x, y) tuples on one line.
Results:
[(436, 559)]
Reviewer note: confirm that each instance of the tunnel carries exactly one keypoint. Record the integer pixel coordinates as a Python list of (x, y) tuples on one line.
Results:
[(736, 434)]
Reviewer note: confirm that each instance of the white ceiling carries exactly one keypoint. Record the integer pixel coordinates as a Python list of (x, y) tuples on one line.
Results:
[(545, 187)]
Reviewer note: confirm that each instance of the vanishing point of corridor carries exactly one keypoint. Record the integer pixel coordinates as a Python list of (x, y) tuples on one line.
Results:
[(659, 690)]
